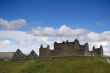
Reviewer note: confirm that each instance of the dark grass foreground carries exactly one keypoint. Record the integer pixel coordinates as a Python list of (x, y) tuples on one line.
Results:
[(57, 65)]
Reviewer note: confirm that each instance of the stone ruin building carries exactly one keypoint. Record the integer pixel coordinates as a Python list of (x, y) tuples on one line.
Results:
[(69, 49), (97, 51), (18, 55), (32, 55), (60, 49), (44, 52)]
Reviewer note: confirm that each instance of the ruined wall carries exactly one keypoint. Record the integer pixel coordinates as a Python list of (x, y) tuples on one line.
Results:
[(97, 51), (61, 49), (32, 55), (64, 48), (18, 55), (44, 52), (86, 50), (71, 49)]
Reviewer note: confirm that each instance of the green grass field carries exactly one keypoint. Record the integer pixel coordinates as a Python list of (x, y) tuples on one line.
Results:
[(57, 65)]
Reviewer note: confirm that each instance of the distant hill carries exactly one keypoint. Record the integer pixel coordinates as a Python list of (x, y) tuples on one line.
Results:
[(6, 55), (74, 64)]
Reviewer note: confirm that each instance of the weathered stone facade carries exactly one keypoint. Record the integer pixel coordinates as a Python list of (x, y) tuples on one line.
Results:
[(69, 49), (18, 55), (61, 49), (32, 55), (97, 51), (44, 53)]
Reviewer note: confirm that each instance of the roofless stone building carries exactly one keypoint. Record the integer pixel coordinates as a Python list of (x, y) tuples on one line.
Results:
[(18, 55), (69, 49), (44, 52), (32, 55), (60, 49)]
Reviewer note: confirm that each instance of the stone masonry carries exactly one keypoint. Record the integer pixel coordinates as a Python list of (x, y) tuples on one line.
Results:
[(69, 49)]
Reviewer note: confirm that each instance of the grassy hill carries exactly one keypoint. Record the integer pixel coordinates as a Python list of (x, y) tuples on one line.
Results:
[(57, 65)]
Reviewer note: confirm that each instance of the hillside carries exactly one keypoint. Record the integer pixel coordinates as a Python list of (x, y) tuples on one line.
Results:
[(57, 65)]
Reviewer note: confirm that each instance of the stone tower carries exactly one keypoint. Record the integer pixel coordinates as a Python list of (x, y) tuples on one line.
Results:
[(76, 47), (101, 50), (76, 44), (97, 51), (44, 52), (86, 52)]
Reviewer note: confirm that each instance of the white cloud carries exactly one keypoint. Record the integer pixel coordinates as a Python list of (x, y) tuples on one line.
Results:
[(4, 42), (65, 30), (62, 31), (13, 24), (22, 37), (22, 40), (67, 33), (47, 35), (97, 37), (43, 31)]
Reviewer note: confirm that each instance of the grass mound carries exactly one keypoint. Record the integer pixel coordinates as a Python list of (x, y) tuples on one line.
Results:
[(57, 65)]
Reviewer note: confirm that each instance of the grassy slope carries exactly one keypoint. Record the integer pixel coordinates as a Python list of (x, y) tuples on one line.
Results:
[(57, 65)]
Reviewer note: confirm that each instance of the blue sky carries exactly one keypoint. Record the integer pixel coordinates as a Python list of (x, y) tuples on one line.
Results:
[(26, 24), (54, 13)]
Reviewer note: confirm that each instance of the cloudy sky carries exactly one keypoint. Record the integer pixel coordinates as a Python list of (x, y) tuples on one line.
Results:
[(26, 24)]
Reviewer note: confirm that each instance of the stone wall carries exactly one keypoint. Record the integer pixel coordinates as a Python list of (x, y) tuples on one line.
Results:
[(61, 49), (97, 51), (18, 55), (69, 49), (44, 52), (32, 55)]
